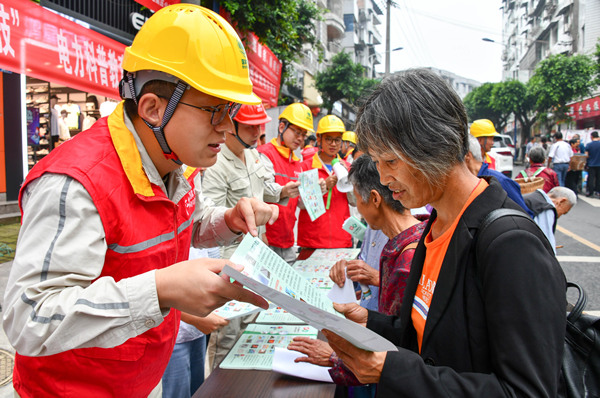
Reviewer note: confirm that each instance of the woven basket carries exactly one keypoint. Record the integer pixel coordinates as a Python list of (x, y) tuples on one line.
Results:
[(530, 184)]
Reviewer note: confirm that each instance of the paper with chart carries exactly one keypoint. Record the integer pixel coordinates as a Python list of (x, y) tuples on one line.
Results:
[(310, 192), (268, 274), (256, 346)]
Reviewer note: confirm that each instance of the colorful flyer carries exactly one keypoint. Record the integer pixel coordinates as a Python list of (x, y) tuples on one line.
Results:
[(234, 309), (310, 192), (255, 348), (277, 315)]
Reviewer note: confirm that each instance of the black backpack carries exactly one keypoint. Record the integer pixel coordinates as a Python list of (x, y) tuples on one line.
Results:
[(581, 357)]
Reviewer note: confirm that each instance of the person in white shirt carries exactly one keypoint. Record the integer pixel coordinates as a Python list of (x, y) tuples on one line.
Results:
[(559, 157)]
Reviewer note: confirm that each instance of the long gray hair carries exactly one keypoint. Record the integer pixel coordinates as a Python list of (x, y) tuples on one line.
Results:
[(419, 118)]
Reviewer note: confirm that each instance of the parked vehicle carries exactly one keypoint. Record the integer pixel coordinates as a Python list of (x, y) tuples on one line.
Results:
[(508, 141)]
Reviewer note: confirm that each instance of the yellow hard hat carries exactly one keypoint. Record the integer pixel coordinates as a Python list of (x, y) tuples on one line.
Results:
[(299, 115), (483, 128), (330, 124), (349, 136), (197, 46)]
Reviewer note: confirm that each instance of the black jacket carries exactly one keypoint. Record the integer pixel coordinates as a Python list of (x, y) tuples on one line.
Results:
[(494, 329)]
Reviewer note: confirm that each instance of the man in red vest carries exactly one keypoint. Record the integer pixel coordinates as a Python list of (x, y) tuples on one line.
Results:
[(294, 123), (100, 274), (326, 231)]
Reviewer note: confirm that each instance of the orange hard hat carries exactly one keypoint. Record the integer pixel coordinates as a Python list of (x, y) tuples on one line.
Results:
[(252, 115)]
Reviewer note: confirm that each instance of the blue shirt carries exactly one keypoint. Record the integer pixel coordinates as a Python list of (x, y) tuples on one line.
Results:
[(593, 150), (511, 187), (370, 252)]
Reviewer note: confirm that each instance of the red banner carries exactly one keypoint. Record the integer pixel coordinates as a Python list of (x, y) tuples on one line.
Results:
[(265, 70), (156, 5), (41, 44), (585, 109)]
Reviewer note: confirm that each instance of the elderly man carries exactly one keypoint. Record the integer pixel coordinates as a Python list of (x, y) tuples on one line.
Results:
[(478, 167), (548, 208)]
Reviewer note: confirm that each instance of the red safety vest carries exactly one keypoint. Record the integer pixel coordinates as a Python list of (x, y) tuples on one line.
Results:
[(326, 231), (309, 152), (287, 167), (144, 231)]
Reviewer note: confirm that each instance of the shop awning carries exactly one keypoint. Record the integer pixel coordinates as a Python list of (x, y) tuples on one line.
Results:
[(41, 44), (585, 109)]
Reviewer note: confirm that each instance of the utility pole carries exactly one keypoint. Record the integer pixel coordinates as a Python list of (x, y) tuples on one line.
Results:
[(387, 38)]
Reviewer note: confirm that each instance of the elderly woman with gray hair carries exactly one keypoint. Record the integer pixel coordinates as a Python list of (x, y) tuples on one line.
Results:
[(479, 318), (537, 159)]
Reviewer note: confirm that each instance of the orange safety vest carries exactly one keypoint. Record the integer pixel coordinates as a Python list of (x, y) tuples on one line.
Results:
[(326, 231), (144, 231), (287, 168)]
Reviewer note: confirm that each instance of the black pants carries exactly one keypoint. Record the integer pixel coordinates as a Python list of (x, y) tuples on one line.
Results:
[(593, 180), (572, 180)]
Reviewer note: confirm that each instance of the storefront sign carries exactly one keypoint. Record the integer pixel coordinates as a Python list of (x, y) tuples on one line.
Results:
[(41, 44), (156, 5), (585, 109), (265, 70)]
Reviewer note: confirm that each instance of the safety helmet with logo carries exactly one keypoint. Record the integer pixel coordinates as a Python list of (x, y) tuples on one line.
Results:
[(253, 115), (191, 46), (299, 115), (483, 128), (349, 136), (330, 124)]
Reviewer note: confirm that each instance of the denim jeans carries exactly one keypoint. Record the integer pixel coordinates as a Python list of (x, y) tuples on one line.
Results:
[(185, 372), (561, 171)]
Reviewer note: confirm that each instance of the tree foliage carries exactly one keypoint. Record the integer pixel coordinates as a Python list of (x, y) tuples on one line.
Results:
[(558, 80), (479, 105), (282, 25), (512, 96), (343, 79)]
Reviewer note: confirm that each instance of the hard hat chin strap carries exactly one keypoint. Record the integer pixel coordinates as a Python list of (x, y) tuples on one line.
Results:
[(128, 83), (236, 124)]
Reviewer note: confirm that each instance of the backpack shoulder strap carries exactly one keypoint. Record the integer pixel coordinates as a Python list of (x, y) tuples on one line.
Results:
[(482, 240), (538, 171)]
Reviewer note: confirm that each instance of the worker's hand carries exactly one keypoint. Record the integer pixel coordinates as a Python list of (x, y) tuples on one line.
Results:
[(337, 273), (366, 365), (249, 213), (195, 287), (207, 324), (361, 272), (323, 185), (290, 190), (318, 352), (331, 181), (354, 312)]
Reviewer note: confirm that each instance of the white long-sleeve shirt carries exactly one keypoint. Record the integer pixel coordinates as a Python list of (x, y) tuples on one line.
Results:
[(51, 304)]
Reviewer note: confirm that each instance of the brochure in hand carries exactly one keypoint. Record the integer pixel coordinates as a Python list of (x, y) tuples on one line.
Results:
[(269, 275)]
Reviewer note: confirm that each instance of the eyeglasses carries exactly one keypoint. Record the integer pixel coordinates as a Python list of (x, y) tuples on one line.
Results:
[(217, 113), (298, 133), (232, 108), (331, 140)]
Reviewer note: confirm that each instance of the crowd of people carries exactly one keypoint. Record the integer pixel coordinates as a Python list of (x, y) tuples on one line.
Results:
[(105, 299)]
